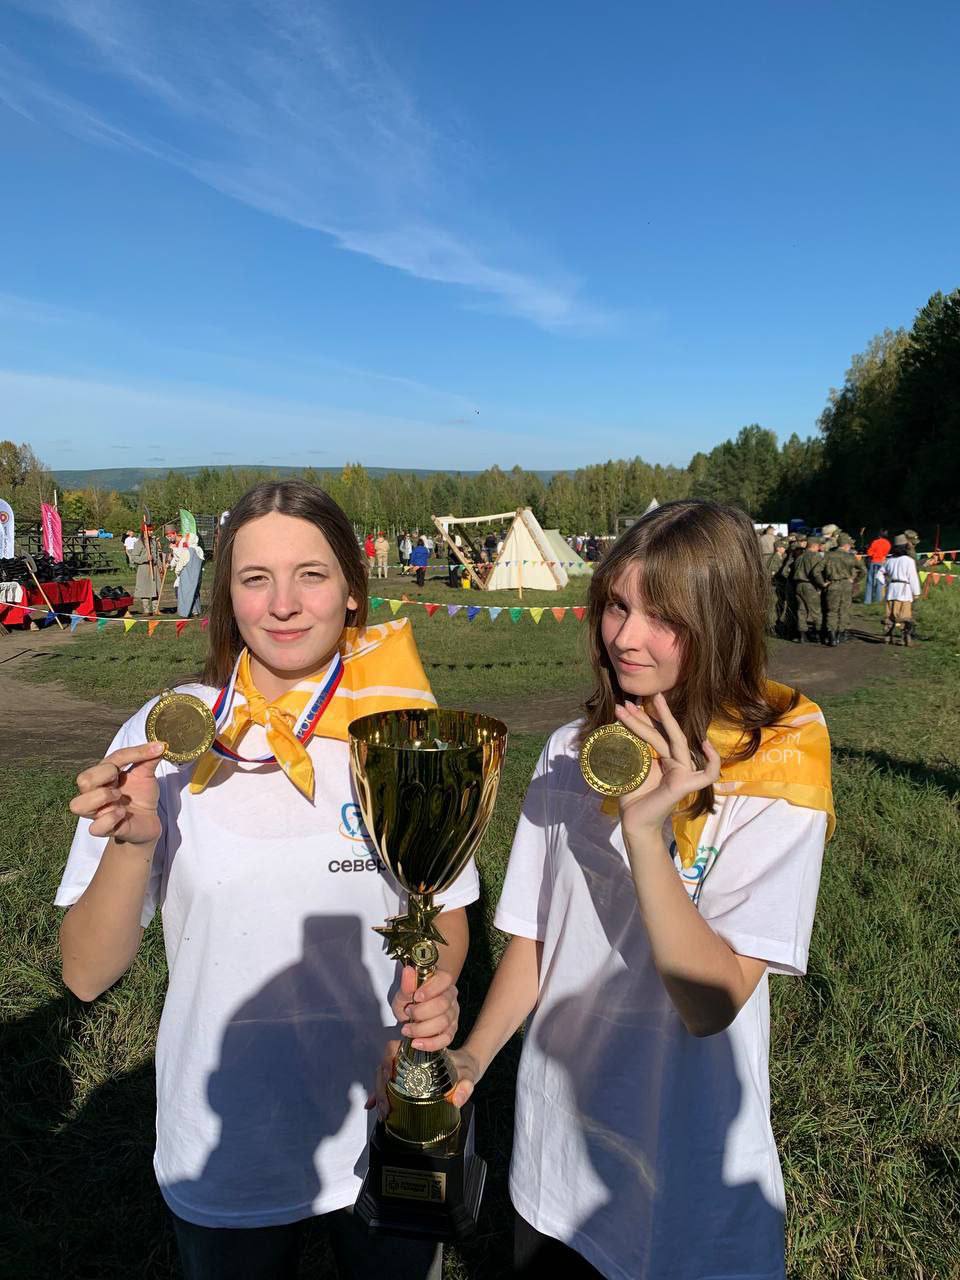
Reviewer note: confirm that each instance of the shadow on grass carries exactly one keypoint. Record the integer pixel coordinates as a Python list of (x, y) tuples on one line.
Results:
[(80, 1197), (914, 772)]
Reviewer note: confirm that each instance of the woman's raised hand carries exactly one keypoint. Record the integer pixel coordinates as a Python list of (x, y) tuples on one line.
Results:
[(672, 775), (120, 795)]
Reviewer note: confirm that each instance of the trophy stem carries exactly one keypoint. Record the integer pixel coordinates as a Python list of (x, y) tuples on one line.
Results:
[(420, 1110)]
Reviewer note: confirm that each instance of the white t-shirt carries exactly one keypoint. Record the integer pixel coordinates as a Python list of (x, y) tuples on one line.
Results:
[(278, 1003), (130, 542), (646, 1149)]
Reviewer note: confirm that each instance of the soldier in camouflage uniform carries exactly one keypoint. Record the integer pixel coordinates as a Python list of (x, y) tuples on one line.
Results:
[(912, 538), (808, 580), (841, 571), (787, 590), (830, 532), (772, 563)]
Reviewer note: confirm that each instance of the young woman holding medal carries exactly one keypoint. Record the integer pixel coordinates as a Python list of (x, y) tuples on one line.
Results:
[(275, 1013), (644, 927)]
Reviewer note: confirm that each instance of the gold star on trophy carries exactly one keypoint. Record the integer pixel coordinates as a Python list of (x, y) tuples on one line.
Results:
[(404, 934)]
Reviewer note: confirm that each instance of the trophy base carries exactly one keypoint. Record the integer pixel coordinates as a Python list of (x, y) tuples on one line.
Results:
[(431, 1192)]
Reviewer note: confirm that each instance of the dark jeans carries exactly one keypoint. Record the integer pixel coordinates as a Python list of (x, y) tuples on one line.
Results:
[(540, 1257), (273, 1253), (421, 572)]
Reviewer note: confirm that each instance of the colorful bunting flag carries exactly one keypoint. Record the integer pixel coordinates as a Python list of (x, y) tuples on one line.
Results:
[(494, 613), (75, 620), (394, 605), (515, 614), (181, 626), (536, 614), (152, 626), (472, 611), (579, 612), (101, 623), (453, 609), (558, 613), (128, 623), (376, 602), (204, 623), (431, 609)]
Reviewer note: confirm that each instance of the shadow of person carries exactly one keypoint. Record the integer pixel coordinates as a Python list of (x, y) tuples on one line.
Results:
[(656, 1139), (296, 1058)]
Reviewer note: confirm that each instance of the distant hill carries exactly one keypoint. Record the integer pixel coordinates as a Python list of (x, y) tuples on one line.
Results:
[(129, 479)]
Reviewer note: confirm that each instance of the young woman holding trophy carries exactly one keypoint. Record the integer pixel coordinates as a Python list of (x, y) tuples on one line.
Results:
[(646, 918), (276, 1010)]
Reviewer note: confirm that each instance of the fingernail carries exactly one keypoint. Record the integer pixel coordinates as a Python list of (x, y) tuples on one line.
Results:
[(416, 1044), (407, 1030), (158, 747)]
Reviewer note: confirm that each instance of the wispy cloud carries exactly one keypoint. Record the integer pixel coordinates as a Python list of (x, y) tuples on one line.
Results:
[(274, 103)]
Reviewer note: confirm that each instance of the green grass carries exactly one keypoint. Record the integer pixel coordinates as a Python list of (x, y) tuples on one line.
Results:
[(865, 1055)]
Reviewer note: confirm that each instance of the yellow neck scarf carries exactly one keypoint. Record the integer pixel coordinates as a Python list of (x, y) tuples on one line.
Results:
[(382, 671), (792, 763)]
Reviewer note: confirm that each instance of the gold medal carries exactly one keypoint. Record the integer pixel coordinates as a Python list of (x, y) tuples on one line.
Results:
[(614, 761), (184, 723)]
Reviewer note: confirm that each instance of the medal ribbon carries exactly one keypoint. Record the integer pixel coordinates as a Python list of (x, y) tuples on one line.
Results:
[(289, 721)]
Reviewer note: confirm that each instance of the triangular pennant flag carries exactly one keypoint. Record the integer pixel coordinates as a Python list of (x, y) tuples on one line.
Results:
[(536, 614), (579, 612), (453, 609), (494, 613), (128, 623), (152, 626), (515, 614), (431, 609), (394, 605), (923, 575), (558, 613), (101, 623), (472, 611), (376, 602), (51, 617), (950, 577), (181, 626), (75, 620), (204, 623)]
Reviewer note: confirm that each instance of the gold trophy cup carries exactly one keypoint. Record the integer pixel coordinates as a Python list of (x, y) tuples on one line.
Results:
[(426, 783)]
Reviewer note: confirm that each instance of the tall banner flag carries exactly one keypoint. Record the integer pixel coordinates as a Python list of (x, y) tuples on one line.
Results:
[(52, 531), (6, 530), (188, 523)]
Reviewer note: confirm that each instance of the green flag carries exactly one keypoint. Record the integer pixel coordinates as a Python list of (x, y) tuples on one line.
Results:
[(187, 523)]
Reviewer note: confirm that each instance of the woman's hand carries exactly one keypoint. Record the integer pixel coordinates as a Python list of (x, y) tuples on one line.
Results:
[(468, 1074), (672, 775), (120, 795), (428, 1015)]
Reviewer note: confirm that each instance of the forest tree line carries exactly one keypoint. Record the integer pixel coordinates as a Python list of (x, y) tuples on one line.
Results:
[(885, 453)]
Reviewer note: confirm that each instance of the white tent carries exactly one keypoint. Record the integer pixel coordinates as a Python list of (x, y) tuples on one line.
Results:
[(565, 554), (526, 559)]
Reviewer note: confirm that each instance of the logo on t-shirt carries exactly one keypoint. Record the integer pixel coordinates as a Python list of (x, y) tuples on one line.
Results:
[(352, 825)]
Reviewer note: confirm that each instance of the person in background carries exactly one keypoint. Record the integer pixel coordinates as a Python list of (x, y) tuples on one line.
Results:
[(842, 572), (768, 540), (913, 539), (370, 551), (490, 546), (129, 542), (829, 532), (772, 563), (144, 560), (898, 574), (381, 548), (876, 553), (188, 566), (809, 582), (419, 559), (406, 551)]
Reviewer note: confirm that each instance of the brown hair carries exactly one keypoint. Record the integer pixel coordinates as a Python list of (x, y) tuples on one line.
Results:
[(290, 498), (699, 571)]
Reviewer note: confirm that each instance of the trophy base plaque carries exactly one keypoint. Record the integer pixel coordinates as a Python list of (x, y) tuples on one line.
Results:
[(431, 1192)]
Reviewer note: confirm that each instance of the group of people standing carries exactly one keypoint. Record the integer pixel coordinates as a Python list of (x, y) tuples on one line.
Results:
[(184, 556), (813, 578)]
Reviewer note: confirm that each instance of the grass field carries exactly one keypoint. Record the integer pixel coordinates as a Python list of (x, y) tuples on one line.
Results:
[(865, 1062)]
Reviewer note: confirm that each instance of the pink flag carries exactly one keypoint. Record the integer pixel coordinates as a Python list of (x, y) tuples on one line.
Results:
[(52, 531)]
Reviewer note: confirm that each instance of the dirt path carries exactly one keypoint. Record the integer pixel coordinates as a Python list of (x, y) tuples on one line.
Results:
[(46, 724), (814, 669)]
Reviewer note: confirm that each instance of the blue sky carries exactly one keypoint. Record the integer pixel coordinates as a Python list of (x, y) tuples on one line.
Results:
[(452, 235)]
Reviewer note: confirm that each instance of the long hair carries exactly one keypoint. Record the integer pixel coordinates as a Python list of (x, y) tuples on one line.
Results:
[(290, 498), (698, 569)]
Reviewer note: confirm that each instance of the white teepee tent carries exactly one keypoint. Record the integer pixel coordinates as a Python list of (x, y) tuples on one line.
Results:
[(526, 559)]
